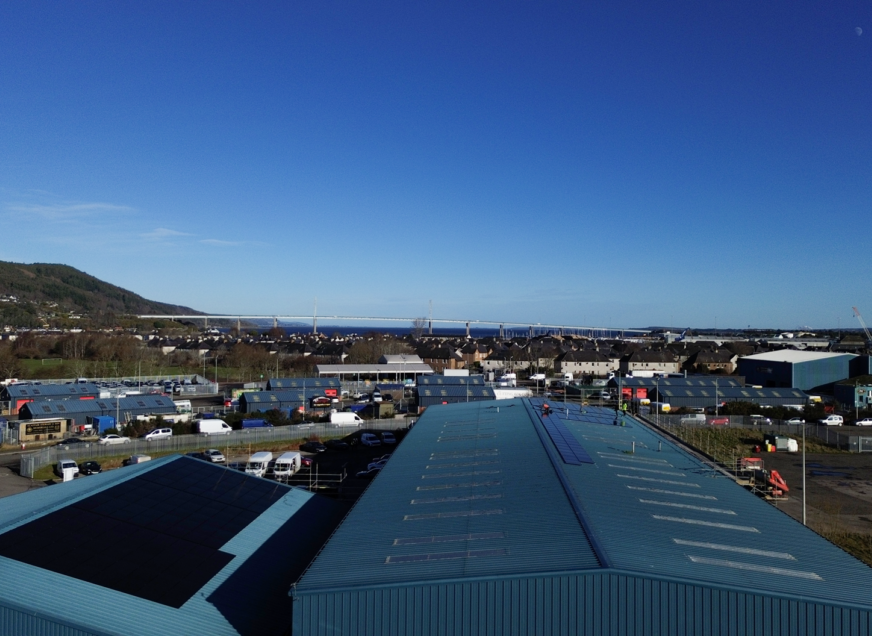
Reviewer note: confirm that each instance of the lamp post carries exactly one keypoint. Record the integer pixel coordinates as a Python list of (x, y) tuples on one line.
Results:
[(716, 397), (657, 403)]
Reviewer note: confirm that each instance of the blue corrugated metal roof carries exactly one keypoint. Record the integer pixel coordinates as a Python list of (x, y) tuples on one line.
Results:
[(136, 404), (465, 495), (733, 393), (479, 490), (100, 610), (455, 391), (278, 384), (457, 380), (38, 391), (278, 399), (691, 381)]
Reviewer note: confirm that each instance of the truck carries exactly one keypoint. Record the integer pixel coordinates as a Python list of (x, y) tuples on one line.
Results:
[(508, 379), (286, 465), (345, 419), (256, 424), (258, 463), (214, 427)]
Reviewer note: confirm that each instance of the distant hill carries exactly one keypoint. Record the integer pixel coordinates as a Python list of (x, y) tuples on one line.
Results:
[(41, 290)]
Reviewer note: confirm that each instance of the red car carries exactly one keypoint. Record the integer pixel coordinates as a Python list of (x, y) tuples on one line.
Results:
[(719, 421)]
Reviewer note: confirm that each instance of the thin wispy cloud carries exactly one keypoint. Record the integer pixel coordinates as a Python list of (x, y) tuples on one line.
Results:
[(162, 233), (220, 243), (66, 211)]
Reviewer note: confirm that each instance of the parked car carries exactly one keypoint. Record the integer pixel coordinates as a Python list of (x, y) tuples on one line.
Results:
[(69, 441), (113, 439), (213, 455), (66, 464), (760, 420), (136, 459), (866, 421), (90, 468), (306, 462), (369, 439), (388, 438), (369, 473), (158, 434), (832, 420), (719, 420), (313, 447), (795, 421), (336, 444), (379, 461)]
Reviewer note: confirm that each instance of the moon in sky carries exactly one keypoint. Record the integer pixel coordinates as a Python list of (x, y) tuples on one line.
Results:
[(859, 31)]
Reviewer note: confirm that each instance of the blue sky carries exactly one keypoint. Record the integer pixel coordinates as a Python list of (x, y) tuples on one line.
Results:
[(589, 163)]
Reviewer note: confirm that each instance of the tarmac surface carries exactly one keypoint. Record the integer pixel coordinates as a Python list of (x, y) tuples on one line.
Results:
[(11, 483), (838, 488)]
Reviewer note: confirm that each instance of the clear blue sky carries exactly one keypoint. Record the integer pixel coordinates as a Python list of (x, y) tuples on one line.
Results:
[(597, 163)]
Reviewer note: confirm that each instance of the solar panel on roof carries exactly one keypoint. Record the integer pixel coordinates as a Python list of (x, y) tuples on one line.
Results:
[(570, 450), (171, 535)]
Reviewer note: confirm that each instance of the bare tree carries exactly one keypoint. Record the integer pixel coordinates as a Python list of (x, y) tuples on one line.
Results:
[(418, 327)]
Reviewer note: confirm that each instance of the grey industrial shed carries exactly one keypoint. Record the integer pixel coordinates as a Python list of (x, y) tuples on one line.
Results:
[(451, 380), (448, 394), (496, 518), (252, 401), (795, 369), (19, 393), (285, 384), (697, 397), (79, 411)]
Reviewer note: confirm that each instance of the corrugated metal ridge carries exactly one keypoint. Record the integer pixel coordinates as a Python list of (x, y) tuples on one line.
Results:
[(577, 507), (318, 589), (690, 582), (57, 620), (292, 591)]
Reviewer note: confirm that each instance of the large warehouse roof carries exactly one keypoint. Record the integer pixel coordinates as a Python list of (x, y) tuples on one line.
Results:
[(792, 356), (735, 394), (42, 391), (372, 369), (493, 490), (172, 546), (279, 384), (694, 380), (132, 405)]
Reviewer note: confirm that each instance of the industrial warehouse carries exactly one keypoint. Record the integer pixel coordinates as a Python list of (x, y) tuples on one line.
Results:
[(492, 517)]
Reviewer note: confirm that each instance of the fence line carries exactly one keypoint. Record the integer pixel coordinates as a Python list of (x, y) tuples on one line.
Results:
[(33, 461)]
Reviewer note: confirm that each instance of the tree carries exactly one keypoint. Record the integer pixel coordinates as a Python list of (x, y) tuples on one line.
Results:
[(418, 327), (10, 365)]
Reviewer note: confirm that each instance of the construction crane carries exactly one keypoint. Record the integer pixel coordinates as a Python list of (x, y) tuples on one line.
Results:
[(863, 324)]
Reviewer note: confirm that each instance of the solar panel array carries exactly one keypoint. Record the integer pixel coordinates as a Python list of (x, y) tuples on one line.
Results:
[(563, 439), (156, 536)]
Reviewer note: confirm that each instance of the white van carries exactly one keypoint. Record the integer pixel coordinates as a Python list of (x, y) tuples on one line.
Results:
[(832, 420), (214, 427), (345, 419), (695, 418), (286, 465), (158, 434), (258, 464)]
